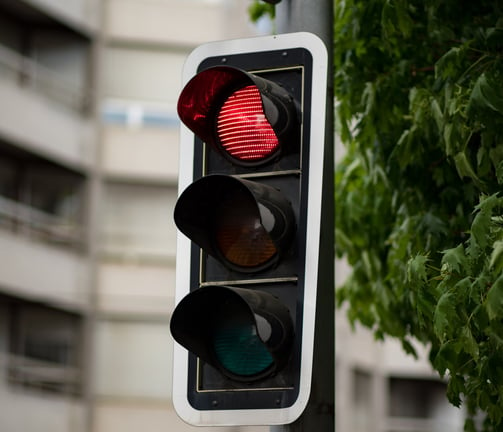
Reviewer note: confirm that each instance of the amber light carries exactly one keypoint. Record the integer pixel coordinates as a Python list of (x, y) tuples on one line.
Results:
[(242, 239), (247, 226), (243, 129)]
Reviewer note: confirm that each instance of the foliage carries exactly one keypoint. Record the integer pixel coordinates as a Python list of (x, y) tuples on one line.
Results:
[(419, 202), (259, 9)]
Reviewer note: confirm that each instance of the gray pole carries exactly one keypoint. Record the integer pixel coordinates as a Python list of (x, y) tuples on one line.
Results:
[(316, 16)]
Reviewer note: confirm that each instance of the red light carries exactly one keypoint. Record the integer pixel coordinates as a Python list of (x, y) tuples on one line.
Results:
[(243, 129)]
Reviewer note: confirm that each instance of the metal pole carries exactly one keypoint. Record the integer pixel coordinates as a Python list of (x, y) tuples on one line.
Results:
[(317, 17)]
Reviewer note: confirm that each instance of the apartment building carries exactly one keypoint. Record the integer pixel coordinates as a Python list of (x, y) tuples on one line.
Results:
[(48, 143), (88, 182), (145, 44)]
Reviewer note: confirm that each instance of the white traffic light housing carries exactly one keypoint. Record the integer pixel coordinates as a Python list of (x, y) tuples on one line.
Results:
[(249, 215)]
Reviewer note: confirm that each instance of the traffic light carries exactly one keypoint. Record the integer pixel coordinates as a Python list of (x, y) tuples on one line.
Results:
[(248, 215)]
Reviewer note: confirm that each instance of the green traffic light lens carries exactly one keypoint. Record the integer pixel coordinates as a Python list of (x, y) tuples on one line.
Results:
[(239, 349)]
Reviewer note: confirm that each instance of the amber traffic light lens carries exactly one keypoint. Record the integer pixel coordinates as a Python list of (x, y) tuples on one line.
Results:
[(241, 237), (245, 225)]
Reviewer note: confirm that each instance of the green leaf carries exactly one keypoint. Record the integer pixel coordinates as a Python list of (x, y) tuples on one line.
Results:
[(449, 143), (455, 387), (487, 93), (446, 358), (449, 64), (436, 111), (416, 268), (409, 348), (499, 172), (496, 262), (368, 97), (494, 300), (258, 9), (455, 259), (481, 225), (464, 167), (470, 345), (445, 315), (470, 425)]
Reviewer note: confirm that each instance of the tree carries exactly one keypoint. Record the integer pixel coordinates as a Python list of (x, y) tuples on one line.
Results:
[(419, 202)]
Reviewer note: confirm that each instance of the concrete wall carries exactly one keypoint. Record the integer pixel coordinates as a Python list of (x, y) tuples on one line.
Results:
[(27, 411), (83, 14), (43, 273), (46, 127), (183, 22), (141, 153)]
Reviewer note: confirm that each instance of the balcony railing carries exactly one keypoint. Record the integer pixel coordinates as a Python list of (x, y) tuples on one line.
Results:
[(43, 375), (24, 219), (27, 73)]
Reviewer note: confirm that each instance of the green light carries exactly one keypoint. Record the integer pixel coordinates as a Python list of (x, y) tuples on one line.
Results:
[(239, 348)]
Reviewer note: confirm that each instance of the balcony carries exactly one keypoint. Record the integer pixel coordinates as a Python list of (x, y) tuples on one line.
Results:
[(41, 367), (42, 238), (43, 375), (28, 74), (161, 21), (81, 15), (41, 226), (47, 112)]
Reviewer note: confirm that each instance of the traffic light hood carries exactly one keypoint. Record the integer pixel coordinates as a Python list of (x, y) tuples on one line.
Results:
[(246, 334), (203, 98), (246, 225)]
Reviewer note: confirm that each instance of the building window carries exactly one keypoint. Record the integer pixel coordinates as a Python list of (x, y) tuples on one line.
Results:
[(48, 58), (122, 366), (44, 347), (138, 223), (362, 402), (138, 114), (40, 199), (421, 405)]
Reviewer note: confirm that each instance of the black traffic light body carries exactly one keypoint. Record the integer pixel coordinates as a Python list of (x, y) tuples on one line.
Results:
[(248, 214)]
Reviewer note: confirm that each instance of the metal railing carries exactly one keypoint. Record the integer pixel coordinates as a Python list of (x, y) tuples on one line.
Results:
[(43, 375), (24, 219), (27, 73)]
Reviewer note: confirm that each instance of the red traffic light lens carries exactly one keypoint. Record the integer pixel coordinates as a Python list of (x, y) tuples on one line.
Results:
[(248, 119), (242, 127)]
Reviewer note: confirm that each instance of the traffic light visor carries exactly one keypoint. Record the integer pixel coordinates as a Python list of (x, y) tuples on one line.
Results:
[(245, 225), (245, 334), (245, 117)]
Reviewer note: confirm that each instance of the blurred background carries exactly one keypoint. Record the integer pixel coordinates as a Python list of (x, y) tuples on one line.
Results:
[(88, 182)]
